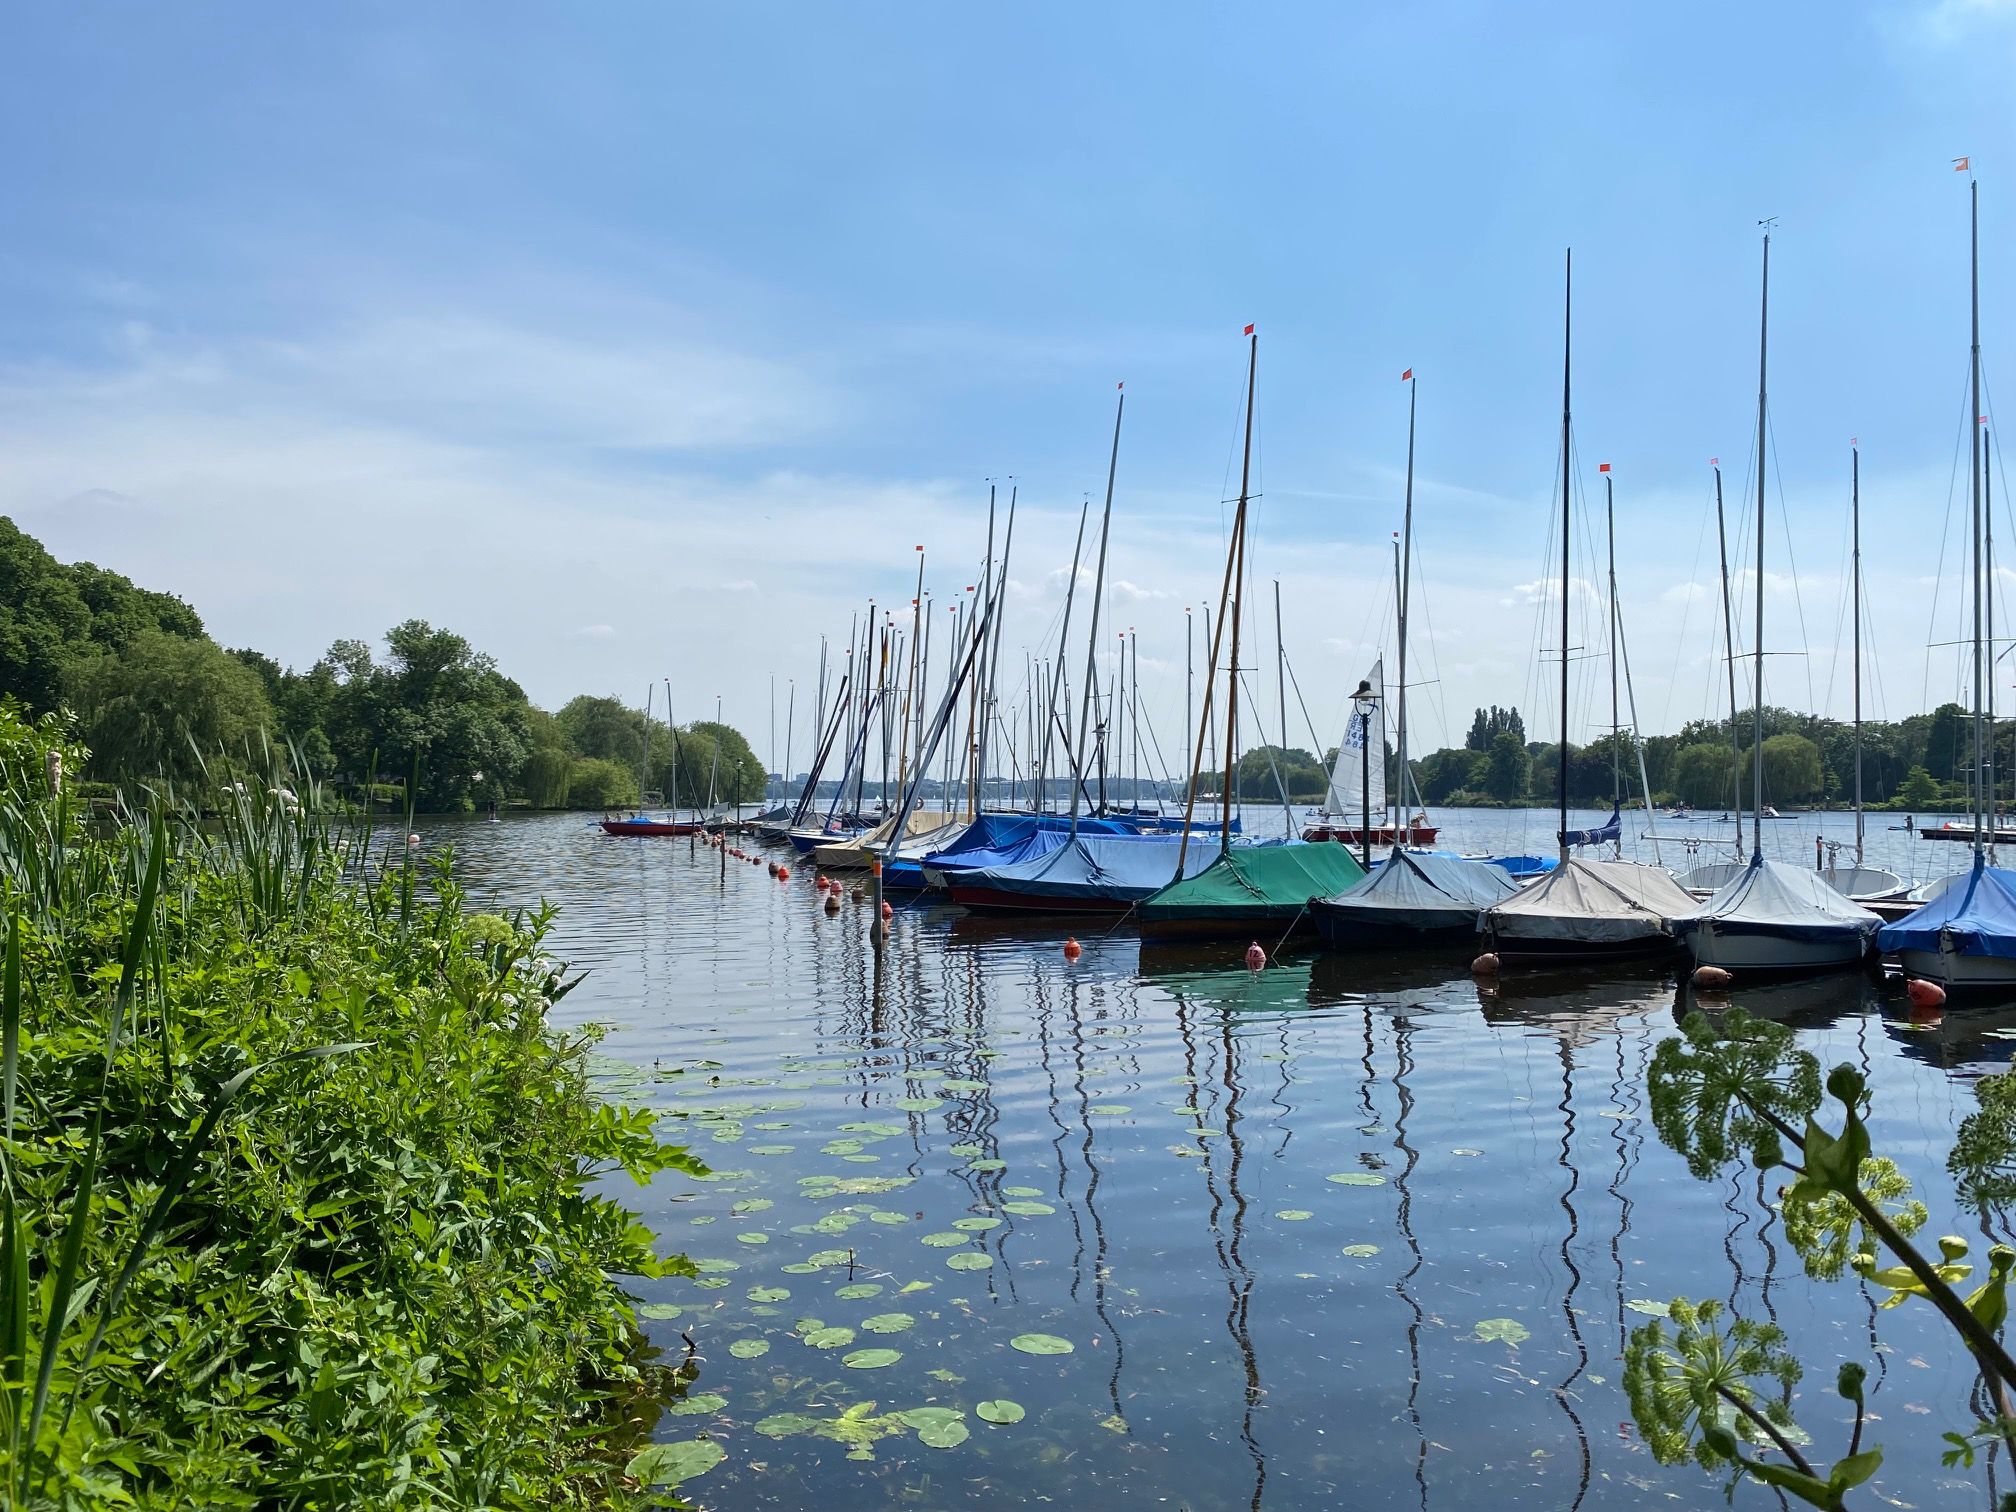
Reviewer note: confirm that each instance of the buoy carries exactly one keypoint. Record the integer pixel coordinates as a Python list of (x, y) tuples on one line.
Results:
[(1073, 950), (832, 902), (783, 874), (1485, 965), (773, 868), (859, 893), (1711, 977), (412, 839), (821, 879), (1924, 994), (1256, 958), (886, 909)]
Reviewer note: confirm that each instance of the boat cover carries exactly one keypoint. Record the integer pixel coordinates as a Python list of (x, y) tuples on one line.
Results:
[(1777, 898), (1591, 902), (1123, 868), (1863, 883), (1025, 845), (1605, 833), (1411, 882), (1976, 917), (1255, 879)]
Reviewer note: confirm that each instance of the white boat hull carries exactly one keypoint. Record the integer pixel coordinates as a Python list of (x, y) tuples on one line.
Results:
[(1751, 950), (1950, 969)]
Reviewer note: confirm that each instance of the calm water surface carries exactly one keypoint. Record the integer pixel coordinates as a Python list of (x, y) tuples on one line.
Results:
[(1268, 1213)]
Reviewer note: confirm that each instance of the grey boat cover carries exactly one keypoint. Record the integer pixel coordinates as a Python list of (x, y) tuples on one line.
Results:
[(1425, 883), (1775, 898), (1591, 902)]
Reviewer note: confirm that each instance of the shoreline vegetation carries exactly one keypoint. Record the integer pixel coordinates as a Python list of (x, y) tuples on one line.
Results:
[(299, 1197)]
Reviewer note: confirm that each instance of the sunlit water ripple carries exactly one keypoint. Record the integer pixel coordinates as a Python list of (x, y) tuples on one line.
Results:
[(1144, 1150)]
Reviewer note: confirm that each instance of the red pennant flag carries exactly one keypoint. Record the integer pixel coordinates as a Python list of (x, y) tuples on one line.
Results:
[(1121, 385), (1602, 467), (1407, 376), (1247, 332), (1959, 165)]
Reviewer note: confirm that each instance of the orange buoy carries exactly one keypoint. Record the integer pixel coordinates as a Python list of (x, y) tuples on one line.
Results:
[(1485, 965), (783, 874), (821, 879), (1711, 977), (1256, 958), (886, 909), (1073, 950), (1924, 994)]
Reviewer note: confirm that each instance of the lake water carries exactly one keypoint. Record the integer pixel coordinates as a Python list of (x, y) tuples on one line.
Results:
[(1285, 1222)]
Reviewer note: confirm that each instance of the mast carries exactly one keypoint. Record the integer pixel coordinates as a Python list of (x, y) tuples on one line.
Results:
[(790, 716), (1098, 592), (1056, 677), (1239, 602), (1189, 667), (644, 777), (1395, 800), (1134, 713), (1855, 590), (1988, 646), (1567, 351), (1757, 650), (1616, 738), (1974, 360), (1281, 681), (997, 612), (1401, 605), (1729, 657)]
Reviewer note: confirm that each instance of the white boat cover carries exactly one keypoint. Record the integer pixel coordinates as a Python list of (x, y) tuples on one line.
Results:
[(1714, 874), (1779, 899), (1590, 902), (1358, 784), (1413, 883), (1863, 883)]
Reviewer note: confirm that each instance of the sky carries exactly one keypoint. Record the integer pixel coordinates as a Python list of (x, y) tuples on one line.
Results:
[(648, 341)]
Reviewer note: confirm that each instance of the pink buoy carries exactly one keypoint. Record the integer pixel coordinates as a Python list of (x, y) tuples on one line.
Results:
[(1711, 977), (1485, 965), (1256, 958), (886, 909)]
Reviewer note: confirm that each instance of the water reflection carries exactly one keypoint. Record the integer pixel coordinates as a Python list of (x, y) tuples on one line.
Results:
[(1272, 1213)]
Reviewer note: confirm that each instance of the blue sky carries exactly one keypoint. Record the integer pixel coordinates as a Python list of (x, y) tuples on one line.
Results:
[(646, 340)]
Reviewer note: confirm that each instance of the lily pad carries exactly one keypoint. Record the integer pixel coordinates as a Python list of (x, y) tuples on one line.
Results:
[(784, 1424), (830, 1338), (969, 1260), (967, 1149), (1022, 1191), (1356, 1178), (944, 1435), (697, 1406), (749, 1349), (919, 1104), (1650, 1308), (1110, 1109), (829, 1257), (769, 1149), (1027, 1209), (976, 1225), (753, 1205), (752, 1236), (1360, 1251), (961, 1084), (883, 1216), (1041, 1344), (666, 1465), (1294, 1215), (660, 1310), (888, 1323), (859, 1290), (988, 1165), (712, 1267), (1503, 1330), (800, 1268), (947, 1239), (999, 1410), (871, 1359), (769, 1294)]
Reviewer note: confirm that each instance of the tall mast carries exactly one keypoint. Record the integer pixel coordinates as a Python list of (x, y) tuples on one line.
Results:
[(1855, 591), (1729, 658), (1395, 799), (996, 617), (1134, 713), (1401, 606), (1098, 593), (1281, 668), (1238, 601), (1757, 650), (1616, 736), (1056, 677), (1567, 461), (644, 776), (1189, 667), (790, 719), (1974, 357), (1988, 645)]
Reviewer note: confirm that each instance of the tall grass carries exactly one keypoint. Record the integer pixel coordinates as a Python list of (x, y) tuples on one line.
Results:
[(227, 1279)]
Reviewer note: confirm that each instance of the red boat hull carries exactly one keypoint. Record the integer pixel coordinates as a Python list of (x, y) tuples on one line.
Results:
[(647, 827), (1381, 834), (999, 900)]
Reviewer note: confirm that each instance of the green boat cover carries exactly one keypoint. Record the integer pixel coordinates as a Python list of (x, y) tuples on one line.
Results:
[(1260, 881)]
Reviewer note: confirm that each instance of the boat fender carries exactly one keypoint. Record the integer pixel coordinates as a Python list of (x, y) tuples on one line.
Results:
[(1256, 958), (1485, 965), (1711, 977), (1924, 994)]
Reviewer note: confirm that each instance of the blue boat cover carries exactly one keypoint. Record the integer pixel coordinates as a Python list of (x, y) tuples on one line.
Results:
[(1779, 899), (1123, 868), (1038, 836), (1976, 917), (1605, 833)]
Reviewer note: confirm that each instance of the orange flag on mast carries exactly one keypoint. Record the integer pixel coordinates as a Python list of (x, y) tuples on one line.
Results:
[(1407, 376), (1959, 165)]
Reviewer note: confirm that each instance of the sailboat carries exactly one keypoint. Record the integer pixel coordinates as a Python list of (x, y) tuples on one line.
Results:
[(1583, 910), (1861, 882), (1344, 816), (1966, 936), (1774, 916)]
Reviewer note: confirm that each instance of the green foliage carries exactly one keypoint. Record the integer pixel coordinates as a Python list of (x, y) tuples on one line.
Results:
[(1919, 790), (1508, 768), (607, 730), (162, 705), (1305, 779), (228, 1280), (52, 614), (594, 784), (1791, 769), (1714, 1092), (1704, 774)]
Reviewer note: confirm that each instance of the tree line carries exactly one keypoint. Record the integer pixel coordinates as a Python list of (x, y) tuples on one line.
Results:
[(155, 697)]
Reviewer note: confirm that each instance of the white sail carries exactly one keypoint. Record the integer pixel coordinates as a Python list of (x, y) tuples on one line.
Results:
[(1358, 781)]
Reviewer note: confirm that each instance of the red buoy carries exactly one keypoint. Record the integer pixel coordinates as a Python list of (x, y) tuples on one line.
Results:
[(1256, 958), (886, 909), (1485, 965), (1924, 994), (1073, 950), (1711, 977), (821, 879), (783, 874)]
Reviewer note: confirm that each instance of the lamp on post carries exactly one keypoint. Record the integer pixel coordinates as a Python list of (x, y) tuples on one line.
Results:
[(1363, 702)]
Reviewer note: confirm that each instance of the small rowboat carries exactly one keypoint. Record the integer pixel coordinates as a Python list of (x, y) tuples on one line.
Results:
[(637, 824)]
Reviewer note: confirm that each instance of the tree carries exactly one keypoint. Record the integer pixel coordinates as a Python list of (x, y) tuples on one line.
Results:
[(1443, 774), (714, 758), (1919, 790), (608, 729), (1791, 768), (1509, 768), (1701, 774), (1305, 780), (164, 706), (597, 784), (1479, 738), (1943, 742)]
